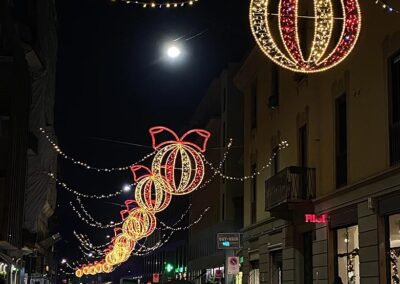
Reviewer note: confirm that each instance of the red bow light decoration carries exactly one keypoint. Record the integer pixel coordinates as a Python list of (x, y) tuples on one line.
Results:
[(177, 169), (185, 152)]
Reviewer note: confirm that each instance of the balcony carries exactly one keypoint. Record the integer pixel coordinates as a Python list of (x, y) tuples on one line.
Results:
[(291, 189)]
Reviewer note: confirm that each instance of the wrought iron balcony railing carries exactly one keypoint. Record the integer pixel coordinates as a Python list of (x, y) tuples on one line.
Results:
[(292, 184)]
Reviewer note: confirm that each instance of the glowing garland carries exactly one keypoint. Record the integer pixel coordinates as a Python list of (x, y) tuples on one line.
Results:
[(86, 165), (177, 169), (173, 4), (386, 7), (288, 28), (153, 193)]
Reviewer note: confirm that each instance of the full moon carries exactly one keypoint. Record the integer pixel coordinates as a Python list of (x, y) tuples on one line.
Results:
[(173, 52)]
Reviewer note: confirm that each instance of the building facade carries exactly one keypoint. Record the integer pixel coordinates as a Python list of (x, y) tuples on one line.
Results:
[(327, 206), (221, 113), (28, 53)]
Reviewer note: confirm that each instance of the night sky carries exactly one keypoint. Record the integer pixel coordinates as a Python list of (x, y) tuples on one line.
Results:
[(113, 83)]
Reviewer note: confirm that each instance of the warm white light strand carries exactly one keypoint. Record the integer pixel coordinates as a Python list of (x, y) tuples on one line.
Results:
[(155, 4), (86, 165), (217, 171), (90, 196)]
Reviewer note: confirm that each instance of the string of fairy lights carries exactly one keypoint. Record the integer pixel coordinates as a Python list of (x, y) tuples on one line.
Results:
[(156, 4), (385, 6), (154, 188)]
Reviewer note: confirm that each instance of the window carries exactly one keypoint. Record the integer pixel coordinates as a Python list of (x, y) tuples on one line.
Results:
[(254, 275), (4, 126), (308, 257), (347, 248), (275, 161), (254, 105), (253, 205), (276, 266), (273, 100), (341, 141), (394, 102), (394, 248), (303, 146), (224, 100)]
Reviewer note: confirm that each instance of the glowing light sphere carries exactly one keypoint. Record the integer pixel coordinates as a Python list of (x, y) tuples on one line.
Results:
[(107, 268), (149, 192), (173, 52), (178, 160), (86, 270), (177, 169), (139, 224), (293, 59), (79, 273)]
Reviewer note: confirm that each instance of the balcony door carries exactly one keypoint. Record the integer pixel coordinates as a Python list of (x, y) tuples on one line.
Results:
[(303, 153)]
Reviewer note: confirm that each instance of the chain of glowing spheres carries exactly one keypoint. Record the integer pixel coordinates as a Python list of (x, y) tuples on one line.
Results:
[(293, 59), (180, 154), (150, 192), (177, 169)]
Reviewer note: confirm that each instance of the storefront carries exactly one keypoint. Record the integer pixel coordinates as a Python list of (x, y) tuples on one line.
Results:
[(389, 209)]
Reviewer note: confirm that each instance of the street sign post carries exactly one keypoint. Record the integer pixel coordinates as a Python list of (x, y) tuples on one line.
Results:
[(228, 241), (218, 274)]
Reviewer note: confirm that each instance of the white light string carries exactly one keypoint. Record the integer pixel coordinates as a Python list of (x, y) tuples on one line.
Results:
[(86, 165), (90, 196), (185, 227), (94, 223), (152, 4), (217, 171), (386, 7)]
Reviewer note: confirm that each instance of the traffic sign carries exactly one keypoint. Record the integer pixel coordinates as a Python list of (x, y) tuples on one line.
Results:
[(233, 265), (228, 241), (156, 278)]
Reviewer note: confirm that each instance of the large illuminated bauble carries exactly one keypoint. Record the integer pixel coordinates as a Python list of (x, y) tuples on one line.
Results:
[(99, 267), (293, 59), (86, 270), (79, 273), (107, 268), (178, 160), (149, 190), (139, 224)]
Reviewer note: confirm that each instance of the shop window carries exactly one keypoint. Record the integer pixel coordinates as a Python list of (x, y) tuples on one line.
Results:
[(276, 267), (254, 275), (394, 248), (347, 253)]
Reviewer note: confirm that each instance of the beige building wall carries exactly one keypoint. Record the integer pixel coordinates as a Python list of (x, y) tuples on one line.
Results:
[(310, 99)]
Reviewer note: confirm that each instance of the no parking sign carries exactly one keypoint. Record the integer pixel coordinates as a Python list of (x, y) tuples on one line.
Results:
[(233, 265)]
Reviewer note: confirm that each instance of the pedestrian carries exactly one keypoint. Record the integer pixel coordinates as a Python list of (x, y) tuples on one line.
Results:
[(338, 280)]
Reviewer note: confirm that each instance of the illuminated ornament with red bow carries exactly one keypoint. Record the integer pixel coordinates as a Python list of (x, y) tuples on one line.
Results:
[(288, 18), (138, 222), (178, 159), (150, 191)]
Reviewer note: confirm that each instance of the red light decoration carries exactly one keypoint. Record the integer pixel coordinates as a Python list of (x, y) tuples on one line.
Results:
[(150, 191), (177, 169), (182, 151), (312, 218), (288, 16)]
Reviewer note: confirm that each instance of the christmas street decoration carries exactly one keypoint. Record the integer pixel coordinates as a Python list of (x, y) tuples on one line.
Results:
[(177, 169), (293, 59)]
